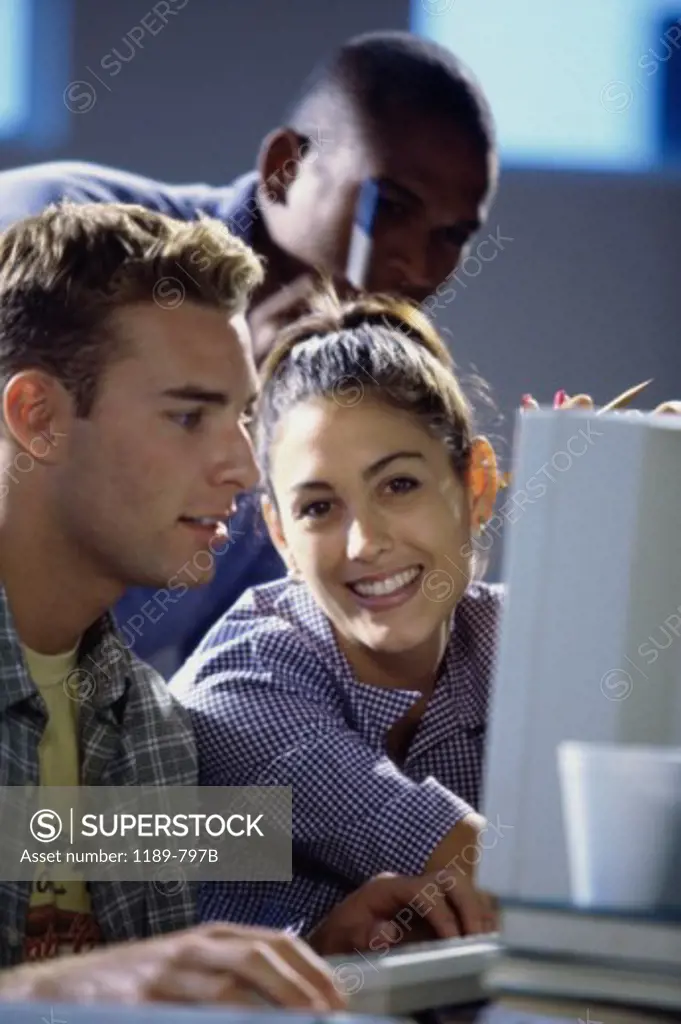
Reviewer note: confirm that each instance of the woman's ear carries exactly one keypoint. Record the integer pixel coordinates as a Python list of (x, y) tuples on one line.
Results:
[(483, 483)]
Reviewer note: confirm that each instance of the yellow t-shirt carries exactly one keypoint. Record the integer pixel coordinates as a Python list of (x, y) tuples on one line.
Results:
[(60, 917)]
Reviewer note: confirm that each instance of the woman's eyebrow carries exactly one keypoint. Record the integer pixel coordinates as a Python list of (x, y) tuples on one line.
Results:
[(370, 471)]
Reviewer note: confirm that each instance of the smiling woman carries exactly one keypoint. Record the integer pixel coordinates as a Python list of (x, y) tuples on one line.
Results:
[(362, 679)]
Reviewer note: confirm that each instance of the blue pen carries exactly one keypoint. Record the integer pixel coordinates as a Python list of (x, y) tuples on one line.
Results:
[(359, 254)]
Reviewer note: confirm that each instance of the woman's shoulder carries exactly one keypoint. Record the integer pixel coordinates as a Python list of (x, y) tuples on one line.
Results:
[(479, 609), (271, 634), (486, 597)]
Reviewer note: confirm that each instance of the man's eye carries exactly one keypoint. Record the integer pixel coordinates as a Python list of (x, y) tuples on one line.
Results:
[(392, 207), (458, 237), (188, 420)]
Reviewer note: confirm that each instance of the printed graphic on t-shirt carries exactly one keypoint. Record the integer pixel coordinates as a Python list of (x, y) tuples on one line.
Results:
[(59, 920)]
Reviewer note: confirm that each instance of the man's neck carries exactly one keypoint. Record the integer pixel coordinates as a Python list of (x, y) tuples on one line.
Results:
[(53, 598), (281, 267)]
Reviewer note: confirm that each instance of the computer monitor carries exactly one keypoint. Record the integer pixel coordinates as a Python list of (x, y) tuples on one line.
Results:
[(590, 644)]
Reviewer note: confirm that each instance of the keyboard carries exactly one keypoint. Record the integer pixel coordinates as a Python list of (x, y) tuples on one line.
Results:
[(422, 976)]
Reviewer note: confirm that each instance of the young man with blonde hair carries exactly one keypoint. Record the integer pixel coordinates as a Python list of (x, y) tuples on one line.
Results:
[(124, 440)]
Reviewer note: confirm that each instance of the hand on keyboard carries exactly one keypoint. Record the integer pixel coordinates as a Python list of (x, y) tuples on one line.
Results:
[(392, 909)]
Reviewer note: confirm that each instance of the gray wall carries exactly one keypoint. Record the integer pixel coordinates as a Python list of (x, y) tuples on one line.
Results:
[(584, 296)]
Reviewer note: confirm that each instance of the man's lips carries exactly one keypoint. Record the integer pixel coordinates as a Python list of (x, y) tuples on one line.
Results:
[(207, 524)]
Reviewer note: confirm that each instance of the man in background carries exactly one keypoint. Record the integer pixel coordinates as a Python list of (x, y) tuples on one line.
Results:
[(387, 106)]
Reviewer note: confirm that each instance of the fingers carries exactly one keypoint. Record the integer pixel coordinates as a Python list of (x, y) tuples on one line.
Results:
[(561, 401), (578, 402), (465, 900), (450, 903), (490, 912), (279, 968), (426, 894), (443, 918), (387, 931), (669, 408), (273, 973)]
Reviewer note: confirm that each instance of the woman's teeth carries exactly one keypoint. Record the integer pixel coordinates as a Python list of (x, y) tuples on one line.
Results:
[(381, 588)]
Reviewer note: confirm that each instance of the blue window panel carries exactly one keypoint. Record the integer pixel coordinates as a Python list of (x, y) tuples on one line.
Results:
[(35, 52), (576, 85), (15, 60)]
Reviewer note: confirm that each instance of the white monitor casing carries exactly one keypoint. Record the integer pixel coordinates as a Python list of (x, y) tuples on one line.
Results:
[(590, 643)]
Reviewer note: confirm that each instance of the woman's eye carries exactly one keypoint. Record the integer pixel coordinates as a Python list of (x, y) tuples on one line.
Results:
[(188, 420), (403, 484), (315, 510)]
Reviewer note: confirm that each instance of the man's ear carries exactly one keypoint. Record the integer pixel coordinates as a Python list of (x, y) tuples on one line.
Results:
[(281, 154), (37, 411), (483, 482), (271, 517)]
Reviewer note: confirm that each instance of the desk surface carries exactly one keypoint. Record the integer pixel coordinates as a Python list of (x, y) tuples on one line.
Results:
[(46, 1013), (511, 1011)]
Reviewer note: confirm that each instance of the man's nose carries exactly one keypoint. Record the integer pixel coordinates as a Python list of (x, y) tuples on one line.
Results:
[(410, 275), (238, 464)]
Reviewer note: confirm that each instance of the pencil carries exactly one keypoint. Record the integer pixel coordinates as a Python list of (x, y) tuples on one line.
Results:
[(626, 397)]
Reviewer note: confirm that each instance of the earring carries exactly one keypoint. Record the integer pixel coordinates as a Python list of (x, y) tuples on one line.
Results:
[(294, 574)]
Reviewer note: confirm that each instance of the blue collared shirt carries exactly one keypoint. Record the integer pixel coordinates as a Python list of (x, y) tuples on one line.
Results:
[(275, 703), (161, 627)]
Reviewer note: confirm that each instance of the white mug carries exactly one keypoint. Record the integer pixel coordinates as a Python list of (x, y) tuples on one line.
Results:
[(622, 819)]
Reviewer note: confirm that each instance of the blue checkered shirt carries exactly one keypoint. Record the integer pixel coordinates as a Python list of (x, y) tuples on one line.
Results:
[(132, 733), (275, 703)]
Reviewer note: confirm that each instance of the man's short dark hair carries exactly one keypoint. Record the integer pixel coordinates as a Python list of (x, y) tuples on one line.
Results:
[(374, 79)]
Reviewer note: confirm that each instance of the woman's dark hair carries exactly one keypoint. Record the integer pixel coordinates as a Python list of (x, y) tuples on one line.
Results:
[(376, 347)]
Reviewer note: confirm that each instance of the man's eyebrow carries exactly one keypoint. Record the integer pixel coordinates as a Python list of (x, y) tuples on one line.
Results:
[(195, 393), (370, 471)]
